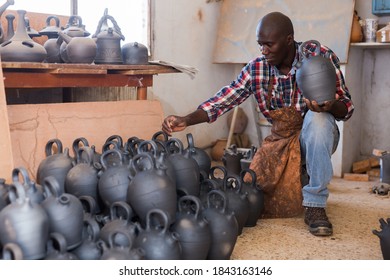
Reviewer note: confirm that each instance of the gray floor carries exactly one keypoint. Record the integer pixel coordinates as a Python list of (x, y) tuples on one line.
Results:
[(354, 211)]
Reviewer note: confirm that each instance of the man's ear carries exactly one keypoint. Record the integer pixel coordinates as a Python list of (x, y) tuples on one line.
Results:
[(290, 39)]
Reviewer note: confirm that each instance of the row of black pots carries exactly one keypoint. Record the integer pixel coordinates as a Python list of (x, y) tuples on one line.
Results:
[(155, 205)]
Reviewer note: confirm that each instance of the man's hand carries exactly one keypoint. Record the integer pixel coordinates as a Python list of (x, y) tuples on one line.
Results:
[(327, 106), (173, 124)]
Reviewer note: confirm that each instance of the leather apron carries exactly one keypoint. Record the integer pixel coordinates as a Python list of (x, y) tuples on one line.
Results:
[(277, 164)]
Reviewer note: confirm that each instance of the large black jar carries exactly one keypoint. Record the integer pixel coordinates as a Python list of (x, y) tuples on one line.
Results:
[(151, 188), (316, 75)]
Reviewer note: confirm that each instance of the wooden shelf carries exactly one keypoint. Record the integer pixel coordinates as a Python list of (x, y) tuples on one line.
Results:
[(373, 45)]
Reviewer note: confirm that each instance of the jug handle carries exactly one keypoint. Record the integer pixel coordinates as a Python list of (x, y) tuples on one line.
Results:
[(251, 173), (21, 171), (103, 161), (56, 19), (16, 192), (221, 168), (116, 26), (121, 205), (190, 140), (190, 198), (88, 152), (217, 193), (51, 186), (76, 144), (230, 180), (12, 251), (160, 133), (89, 204), (145, 143), (162, 214), (302, 50), (49, 147), (174, 143), (75, 18)]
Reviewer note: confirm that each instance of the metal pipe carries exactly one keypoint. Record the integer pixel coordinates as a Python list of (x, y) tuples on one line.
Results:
[(73, 7)]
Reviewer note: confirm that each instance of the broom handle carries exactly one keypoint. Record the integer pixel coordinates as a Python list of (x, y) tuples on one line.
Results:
[(232, 125)]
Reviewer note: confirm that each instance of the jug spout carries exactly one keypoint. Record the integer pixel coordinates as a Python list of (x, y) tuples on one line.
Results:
[(64, 37)]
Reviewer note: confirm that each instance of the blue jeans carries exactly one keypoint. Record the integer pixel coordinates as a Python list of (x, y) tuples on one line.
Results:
[(319, 138)]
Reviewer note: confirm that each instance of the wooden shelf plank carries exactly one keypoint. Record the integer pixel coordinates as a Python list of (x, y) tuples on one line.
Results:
[(48, 80), (373, 45)]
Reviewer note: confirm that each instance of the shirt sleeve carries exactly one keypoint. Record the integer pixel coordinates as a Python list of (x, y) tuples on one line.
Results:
[(228, 96), (341, 88)]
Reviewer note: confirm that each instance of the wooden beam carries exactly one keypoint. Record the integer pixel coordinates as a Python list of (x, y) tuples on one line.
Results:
[(6, 161), (48, 80)]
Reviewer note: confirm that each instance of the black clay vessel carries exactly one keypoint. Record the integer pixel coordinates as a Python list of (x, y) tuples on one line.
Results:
[(316, 75), (384, 237)]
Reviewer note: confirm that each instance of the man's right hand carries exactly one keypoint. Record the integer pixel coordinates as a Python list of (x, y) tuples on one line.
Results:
[(173, 124)]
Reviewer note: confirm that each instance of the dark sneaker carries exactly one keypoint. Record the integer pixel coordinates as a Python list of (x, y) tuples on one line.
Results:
[(318, 222)]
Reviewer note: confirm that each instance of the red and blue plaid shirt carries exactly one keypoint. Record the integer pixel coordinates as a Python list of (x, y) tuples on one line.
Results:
[(254, 79)]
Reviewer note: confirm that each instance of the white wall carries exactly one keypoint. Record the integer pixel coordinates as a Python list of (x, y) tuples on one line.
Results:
[(367, 74)]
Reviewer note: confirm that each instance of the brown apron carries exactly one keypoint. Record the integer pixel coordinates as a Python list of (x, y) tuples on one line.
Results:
[(277, 164)]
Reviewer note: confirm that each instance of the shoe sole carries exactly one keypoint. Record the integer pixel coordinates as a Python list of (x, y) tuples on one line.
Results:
[(321, 231)]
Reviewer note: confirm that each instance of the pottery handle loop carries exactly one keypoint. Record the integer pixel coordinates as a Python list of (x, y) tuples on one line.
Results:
[(77, 142), (73, 19), (116, 26), (111, 239), (89, 204), (49, 147), (137, 160), (160, 133), (218, 167), (251, 173), (191, 198), (115, 211), (303, 52), (160, 146), (92, 230), (103, 161), (217, 193), (21, 171), (229, 181), (12, 251), (174, 143), (16, 192), (88, 152), (59, 240), (51, 187), (116, 138), (160, 213), (190, 140), (56, 19), (210, 184), (144, 145)]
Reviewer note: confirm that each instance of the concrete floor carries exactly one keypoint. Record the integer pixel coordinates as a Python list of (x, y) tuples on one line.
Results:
[(354, 212)]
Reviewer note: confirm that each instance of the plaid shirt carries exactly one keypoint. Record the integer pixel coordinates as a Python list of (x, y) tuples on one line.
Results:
[(254, 79)]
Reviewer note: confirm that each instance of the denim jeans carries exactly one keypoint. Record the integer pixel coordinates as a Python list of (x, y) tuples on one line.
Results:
[(318, 138)]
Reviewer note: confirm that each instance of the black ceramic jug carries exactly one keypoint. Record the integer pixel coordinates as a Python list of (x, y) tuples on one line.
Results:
[(384, 237), (315, 75)]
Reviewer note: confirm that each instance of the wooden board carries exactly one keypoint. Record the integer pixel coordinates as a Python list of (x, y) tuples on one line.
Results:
[(6, 160), (329, 22), (32, 126)]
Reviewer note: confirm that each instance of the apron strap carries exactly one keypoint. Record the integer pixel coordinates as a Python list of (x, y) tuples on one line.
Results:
[(269, 92)]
